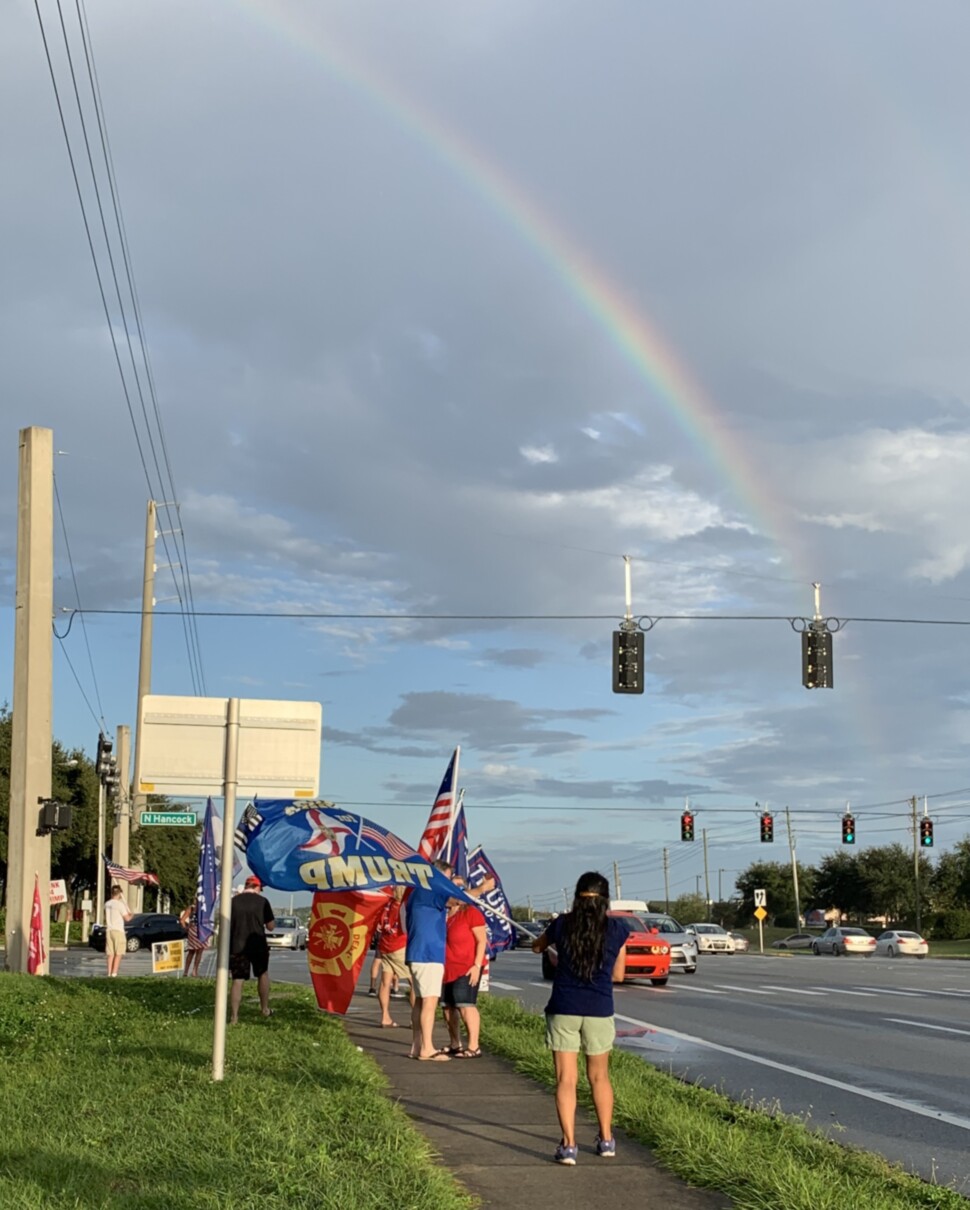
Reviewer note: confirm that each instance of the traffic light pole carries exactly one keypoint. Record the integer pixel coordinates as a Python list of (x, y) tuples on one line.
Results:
[(138, 800), (707, 874)]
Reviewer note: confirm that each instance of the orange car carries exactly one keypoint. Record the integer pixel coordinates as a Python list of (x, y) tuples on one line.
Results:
[(647, 954)]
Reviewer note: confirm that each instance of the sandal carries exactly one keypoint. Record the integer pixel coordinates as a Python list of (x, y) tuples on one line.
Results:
[(469, 1054), (439, 1056)]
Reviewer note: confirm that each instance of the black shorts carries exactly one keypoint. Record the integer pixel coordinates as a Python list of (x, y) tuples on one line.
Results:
[(255, 957), (459, 993)]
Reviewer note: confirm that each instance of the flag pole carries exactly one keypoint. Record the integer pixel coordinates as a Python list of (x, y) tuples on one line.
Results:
[(454, 799)]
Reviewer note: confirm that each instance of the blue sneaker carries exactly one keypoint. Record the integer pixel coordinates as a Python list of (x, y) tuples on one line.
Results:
[(606, 1148), (566, 1155)]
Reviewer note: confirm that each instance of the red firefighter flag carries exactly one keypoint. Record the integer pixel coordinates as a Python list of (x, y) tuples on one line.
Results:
[(341, 927), (36, 955)]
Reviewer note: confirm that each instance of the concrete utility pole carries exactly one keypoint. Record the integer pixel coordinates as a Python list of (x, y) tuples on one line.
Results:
[(919, 914), (794, 871), (666, 881), (121, 834), (707, 875), (29, 855), (139, 800), (617, 884)]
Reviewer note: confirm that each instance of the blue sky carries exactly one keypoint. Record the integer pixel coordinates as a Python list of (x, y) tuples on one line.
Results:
[(378, 398)]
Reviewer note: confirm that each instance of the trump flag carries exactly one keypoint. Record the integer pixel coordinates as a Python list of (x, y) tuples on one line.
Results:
[(341, 927), (297, 845), (501, 934)]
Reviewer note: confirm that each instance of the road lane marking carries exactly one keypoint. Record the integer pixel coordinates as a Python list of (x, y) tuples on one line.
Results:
[(751, 991), (696, 987), (884, 1098), (795, 991), (889, 991), (505, 987), (944, 1029), (844, 991)]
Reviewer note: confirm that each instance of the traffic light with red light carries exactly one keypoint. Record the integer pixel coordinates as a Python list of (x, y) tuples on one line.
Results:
[(848, 829), (687, 826), (926, 833), (767, 828)]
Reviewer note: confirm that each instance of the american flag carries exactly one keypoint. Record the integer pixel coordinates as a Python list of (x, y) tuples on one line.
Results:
[(126, 874), (378, 836), (434, 842)]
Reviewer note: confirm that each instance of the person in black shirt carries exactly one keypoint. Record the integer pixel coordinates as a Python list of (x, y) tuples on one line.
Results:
[(251, 917)]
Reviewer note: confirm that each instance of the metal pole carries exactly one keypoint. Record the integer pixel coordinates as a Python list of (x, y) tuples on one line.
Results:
[(225, 889), (720, 891), (99, 894), (29, 855), (565, 899), (707, 875), (617, 885), (629, 588), (666, 881), (528, 900), (139, 800)]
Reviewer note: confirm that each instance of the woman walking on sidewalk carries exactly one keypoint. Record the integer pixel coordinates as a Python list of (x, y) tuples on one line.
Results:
[(591, 957)]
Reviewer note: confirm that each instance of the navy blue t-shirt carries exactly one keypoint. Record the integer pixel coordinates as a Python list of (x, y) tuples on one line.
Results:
[(572, 996)]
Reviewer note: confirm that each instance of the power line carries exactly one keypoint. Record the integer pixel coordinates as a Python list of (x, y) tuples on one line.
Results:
[(188, 622), (77, 593)]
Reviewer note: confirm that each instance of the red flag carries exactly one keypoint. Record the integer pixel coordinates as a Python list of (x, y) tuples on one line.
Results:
[(36, 955), (341, 926), (437, 831)]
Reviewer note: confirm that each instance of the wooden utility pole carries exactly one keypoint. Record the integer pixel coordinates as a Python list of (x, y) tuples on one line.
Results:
[(617, 884), (29, 855), (121, 834), (707, 875), (919, 914), (666, 881)]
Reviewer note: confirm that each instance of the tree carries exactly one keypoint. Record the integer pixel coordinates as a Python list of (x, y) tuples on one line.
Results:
[(840, 884), (950, 882), (890, 881), (689, 909), (170, 852), (775, 878)]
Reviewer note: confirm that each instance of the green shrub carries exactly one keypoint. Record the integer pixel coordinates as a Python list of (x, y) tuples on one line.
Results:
[(950, 925)]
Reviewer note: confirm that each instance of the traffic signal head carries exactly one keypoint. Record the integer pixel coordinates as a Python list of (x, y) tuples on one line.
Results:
[(817, 670), (848, 829), (767, 828), (627, 661), (104, 755), (687, 826), (926, 833)]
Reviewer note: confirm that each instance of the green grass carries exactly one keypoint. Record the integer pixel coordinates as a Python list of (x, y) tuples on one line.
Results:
[(108, 1102), (762, 1160)]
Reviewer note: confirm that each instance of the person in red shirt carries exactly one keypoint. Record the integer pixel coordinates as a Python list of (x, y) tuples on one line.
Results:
[(392, 940), (464, 959)]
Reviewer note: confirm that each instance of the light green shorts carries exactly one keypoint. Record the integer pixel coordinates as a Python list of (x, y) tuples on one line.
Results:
[(591, 1035)]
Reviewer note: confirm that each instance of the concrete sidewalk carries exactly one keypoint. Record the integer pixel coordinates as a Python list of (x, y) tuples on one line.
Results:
[(496, 1131)]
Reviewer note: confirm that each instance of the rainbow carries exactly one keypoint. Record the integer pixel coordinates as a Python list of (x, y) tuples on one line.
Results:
[(629, 330)]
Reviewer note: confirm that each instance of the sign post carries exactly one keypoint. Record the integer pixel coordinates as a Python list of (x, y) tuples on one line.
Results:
[(760, 902), (196, 746)]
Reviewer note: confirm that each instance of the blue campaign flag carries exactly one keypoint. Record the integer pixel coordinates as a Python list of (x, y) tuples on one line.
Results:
[(294, 845), (207, 888), (501, 933), (457, 855)]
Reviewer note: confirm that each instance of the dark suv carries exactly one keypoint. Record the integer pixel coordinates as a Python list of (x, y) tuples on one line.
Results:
[(141, 931)]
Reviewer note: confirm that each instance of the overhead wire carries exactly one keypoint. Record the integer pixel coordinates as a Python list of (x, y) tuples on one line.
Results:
[(77, 593), (102, 289)]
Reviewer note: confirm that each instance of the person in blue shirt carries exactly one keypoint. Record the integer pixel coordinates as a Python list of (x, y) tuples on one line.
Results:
[(591, 956)]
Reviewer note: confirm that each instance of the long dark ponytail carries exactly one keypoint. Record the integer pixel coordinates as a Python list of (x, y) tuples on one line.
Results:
[(584, 931)]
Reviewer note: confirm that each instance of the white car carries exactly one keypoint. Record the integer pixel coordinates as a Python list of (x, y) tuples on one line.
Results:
[(712, 939), (898, 944), (289, 933)]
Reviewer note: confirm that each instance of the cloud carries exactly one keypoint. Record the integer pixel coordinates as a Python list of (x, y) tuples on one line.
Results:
[(536, 455)]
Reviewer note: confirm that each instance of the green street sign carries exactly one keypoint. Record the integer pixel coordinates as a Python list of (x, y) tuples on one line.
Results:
[(176, 819)]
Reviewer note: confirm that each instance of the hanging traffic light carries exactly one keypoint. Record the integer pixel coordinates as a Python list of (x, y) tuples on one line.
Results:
[(687, 826), (817, 672), (627, 661), (767, 828), (104, 755), (848, 829), (926, 832)]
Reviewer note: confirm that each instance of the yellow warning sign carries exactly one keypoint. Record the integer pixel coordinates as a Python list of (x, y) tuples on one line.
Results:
[(760, 913)]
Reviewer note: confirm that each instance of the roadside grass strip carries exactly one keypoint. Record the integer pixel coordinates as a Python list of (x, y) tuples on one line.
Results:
[(761, 1159), (108, 1102)]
